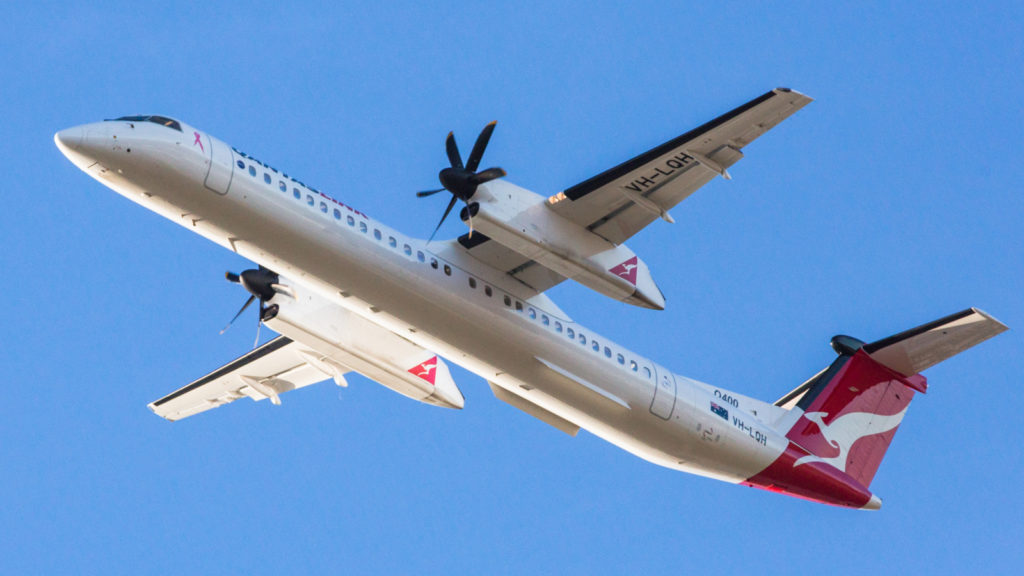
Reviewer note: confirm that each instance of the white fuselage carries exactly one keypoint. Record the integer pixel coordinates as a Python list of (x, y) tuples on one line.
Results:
[(470, 313)]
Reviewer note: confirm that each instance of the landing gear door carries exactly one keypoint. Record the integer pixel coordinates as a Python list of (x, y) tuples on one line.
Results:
[(218, 178), (664, 401)]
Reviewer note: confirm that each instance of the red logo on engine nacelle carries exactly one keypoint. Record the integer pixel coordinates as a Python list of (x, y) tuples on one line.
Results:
[(426, 370), (627, 270)]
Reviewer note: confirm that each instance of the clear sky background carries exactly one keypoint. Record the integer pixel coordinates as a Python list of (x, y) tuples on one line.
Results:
[(893, 199)]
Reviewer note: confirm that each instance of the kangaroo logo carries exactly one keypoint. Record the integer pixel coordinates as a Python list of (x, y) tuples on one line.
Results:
[(844, 432), (426, 370), (627, 270)]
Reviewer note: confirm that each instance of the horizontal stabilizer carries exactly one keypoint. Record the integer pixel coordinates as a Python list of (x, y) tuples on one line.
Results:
[(919, 348)]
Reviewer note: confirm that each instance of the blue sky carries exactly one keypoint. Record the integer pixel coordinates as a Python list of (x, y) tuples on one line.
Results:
[(893, 199)]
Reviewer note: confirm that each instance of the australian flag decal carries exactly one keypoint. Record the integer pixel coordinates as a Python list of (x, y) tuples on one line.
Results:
[(720, 410)]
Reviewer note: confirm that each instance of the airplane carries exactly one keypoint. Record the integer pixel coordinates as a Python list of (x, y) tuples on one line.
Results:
[(346, 293)]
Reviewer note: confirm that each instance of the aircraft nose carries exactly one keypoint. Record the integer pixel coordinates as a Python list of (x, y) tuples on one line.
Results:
[(69, 138)]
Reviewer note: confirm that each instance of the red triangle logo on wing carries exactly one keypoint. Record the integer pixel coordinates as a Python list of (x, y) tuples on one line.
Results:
[(627, 270), (426, 370)]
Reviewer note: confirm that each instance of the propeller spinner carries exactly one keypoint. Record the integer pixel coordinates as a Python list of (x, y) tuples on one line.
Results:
[(462, 180), (262, 284)]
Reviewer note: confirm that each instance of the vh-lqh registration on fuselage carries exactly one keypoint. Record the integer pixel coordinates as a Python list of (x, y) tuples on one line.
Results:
[(346, 293)]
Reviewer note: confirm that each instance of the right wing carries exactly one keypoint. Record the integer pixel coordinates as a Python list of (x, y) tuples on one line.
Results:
[(273, 368)]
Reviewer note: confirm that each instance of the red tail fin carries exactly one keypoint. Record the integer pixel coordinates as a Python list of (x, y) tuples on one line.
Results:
[(852, 409), (851, 413), (848, 414)]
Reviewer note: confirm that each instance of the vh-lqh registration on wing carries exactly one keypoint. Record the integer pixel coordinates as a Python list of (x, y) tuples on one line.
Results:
[(346, 293)]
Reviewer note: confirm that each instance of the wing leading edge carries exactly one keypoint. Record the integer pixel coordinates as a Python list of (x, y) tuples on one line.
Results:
[(272, 369)]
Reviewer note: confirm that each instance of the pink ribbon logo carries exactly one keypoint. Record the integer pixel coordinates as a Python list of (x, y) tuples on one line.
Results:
[(199, 141)]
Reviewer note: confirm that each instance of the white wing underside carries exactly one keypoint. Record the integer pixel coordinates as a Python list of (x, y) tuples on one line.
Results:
[(272, 369), (620, 202)]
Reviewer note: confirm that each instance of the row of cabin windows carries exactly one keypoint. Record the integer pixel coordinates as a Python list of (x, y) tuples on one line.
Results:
[(569, 332), (324, 208), (310, 199), (420, 256)]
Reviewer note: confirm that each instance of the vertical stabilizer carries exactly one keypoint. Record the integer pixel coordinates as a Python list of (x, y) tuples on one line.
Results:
[(851, 410)]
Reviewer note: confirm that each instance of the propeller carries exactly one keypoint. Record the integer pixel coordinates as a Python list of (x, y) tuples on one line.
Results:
[(462, 179), (262, 284)]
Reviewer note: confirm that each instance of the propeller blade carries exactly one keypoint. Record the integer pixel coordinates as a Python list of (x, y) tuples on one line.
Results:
[(447, 211), (453, 151), (488, 175), (426, 193), (480, 146), (244, 306), (232, 277)]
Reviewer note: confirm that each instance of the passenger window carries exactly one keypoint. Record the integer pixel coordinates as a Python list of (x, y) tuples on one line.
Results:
[(472, 282), (583, 339), (508, 301), (376, 234), (569, 332), (487, 290), (595, 346), (519, 306), (266, 178), (558, 326), (296, 193), (241, 164), (337, 214), (323, 207), (647, 372), (351, 221), (621, 359), (392, 242), (362, 227), (433, 263), (309, 200), (282, 186), (607, 352), (252, 171), (420, 256), (447, 270), (544, 319), (632, 365), (407, 249), (532, 313)]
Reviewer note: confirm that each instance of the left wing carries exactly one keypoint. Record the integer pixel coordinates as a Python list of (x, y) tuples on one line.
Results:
[(620, 202), (274, 368), (615, 205)]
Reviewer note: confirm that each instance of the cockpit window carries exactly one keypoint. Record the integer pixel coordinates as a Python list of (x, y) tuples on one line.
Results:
[(162, 120)]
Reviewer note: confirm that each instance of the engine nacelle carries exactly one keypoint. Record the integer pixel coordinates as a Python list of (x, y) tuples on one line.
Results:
[(349, 342), (521, 221)]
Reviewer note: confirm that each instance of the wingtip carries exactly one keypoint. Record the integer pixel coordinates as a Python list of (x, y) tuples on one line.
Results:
[(787, 90), (991, 318)]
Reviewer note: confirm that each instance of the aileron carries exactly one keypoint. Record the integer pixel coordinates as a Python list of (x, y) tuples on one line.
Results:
[(268, 371)]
